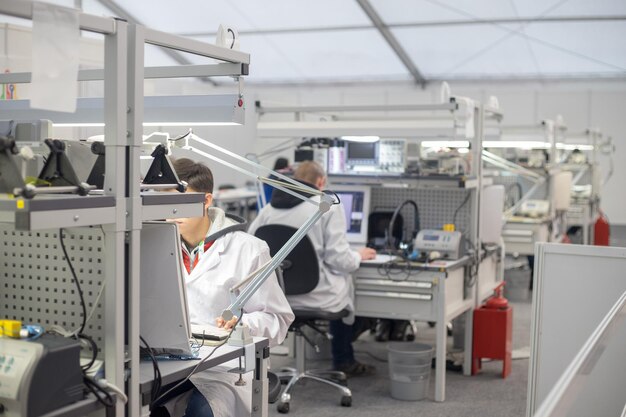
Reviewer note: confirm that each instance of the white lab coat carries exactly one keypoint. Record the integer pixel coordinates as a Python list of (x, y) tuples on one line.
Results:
[(335, 290), (227, 262)]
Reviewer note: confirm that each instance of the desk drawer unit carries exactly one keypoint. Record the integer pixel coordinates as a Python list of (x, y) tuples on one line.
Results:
[(520, 238), (414, 297)]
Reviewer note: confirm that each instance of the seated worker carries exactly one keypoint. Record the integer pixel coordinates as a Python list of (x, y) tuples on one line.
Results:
[(218, 254), (335, 290)]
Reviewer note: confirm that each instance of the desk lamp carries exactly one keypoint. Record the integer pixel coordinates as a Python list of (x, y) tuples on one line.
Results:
[(194, 144)]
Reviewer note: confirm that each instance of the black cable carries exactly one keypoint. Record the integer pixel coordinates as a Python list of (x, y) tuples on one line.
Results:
[(469, 193), (393, 269), (157, 379), (92, 386), (80, 291), (392, 222), (234, 38), (94, 350), (180, 137), (331, 192), (195, 369)]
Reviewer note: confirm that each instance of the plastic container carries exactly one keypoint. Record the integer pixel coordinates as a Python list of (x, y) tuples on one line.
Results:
[(409, 370)]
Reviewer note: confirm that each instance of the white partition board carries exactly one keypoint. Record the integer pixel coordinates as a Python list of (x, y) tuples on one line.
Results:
[(575, 286)]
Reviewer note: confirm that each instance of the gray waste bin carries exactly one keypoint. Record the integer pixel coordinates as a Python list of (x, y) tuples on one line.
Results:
[(409, 370)]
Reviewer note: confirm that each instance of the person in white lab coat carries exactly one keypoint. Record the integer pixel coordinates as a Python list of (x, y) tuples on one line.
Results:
[(218, 254), (335, 290)]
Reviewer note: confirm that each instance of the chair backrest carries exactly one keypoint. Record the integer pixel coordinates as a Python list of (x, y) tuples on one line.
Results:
[(300, 268)]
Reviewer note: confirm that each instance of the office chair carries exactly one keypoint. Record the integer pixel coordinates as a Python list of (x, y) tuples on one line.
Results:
[(300, 272)]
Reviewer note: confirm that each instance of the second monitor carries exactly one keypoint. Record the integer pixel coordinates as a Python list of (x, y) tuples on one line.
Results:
[(355, 200)]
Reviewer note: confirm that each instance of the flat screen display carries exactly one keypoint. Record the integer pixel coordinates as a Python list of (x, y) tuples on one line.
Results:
[(355, 202), (352, 202), (360, 150)]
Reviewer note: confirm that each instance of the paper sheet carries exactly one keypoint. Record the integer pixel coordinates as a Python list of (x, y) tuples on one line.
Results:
[(55, 48)]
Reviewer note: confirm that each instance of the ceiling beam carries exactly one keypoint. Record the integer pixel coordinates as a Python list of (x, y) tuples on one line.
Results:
[(436, 23), (121, 12), (392, 41)]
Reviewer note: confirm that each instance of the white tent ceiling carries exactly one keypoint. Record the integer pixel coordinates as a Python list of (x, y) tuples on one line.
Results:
[(303, 41)]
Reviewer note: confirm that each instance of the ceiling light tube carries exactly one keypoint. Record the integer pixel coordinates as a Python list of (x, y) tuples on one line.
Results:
[(363, 139), (573, 146), (519, 144), (445, 143), (193, 110)]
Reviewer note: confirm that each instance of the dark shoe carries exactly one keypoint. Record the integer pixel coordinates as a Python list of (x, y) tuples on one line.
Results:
[(383, 330), (398, 330), (357, 369)]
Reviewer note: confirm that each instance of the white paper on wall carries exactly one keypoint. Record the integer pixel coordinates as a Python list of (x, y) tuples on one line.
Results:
[(55, 58)]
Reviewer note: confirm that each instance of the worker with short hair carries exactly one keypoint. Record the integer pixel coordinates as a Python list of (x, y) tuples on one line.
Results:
[(218, 254), (335, 290)]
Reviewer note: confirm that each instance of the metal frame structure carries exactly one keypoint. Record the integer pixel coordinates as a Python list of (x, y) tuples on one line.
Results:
[(124, 204), (521, 234), (584, 209), (138, 36), (453, 119), (115, 120)]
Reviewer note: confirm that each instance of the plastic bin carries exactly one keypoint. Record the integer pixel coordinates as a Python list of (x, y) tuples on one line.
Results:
[(409, 370)]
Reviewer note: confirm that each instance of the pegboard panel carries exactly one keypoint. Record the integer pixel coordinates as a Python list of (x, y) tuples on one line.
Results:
[(436, 206), (36, 284)]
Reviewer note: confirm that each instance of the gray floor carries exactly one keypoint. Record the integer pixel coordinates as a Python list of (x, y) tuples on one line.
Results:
[(484, 395)]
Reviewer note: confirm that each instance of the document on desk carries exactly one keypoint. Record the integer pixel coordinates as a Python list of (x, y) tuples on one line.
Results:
[(209, 332), (380, 259)]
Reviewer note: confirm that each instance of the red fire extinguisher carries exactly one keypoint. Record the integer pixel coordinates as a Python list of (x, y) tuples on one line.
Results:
[(601, 230)]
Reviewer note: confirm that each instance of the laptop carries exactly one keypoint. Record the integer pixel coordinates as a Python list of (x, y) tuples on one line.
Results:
[(164, 314)]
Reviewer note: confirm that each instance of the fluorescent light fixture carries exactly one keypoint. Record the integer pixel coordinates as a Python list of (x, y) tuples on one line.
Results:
[(572, 146), (445, 143), (363, 139), (421, 129), (191, 124), (78, 124), (525, 144), (199, 110), (519, 144)]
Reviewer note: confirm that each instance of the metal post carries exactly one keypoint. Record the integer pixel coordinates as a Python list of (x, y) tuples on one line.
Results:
[(115, 133), (440, 342), (134, 140)]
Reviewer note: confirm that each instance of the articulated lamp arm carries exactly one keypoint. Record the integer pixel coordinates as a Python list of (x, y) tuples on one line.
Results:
[(236, 306), (195, 145)]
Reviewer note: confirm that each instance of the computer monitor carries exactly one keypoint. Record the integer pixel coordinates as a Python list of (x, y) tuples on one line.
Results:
[(362, 153), (355, 200), (164, 315)]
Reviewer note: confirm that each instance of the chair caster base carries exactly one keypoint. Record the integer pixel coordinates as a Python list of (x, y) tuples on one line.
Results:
[(283, 408), (346, 401)]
